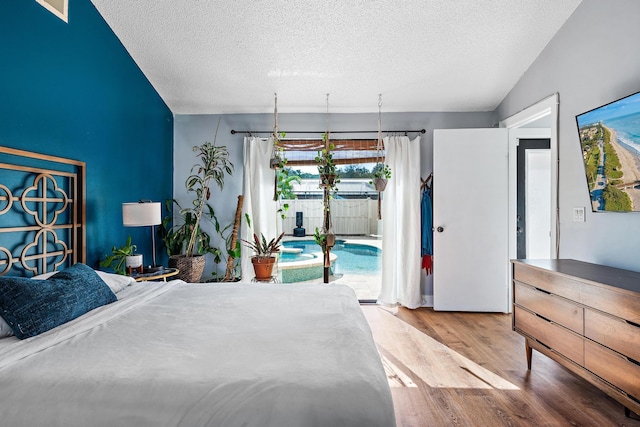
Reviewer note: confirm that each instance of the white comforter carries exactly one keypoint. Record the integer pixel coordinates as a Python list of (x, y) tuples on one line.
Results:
[(180, 354)]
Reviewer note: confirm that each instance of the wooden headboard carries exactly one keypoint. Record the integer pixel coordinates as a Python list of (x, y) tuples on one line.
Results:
[(42, 212)]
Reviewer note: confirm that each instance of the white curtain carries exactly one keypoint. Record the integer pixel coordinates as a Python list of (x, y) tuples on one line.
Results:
[(258, 197), (401, 224)]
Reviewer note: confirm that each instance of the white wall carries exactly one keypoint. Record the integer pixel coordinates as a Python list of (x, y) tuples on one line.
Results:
[(190, 130), (592, 60)]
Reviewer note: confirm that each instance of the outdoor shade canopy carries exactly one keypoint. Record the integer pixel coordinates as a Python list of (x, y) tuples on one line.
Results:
[(140, 214)]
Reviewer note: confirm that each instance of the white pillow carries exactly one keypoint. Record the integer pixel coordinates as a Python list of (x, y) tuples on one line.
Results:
[(116, 282)]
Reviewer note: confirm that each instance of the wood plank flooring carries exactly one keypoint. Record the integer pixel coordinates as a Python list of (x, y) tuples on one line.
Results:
[(469, 369)]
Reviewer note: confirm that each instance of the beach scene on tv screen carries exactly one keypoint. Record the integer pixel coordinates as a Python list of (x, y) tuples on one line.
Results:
[(610, 141)]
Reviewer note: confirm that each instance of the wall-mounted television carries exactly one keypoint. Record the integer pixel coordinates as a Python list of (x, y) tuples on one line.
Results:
[(610, 141)]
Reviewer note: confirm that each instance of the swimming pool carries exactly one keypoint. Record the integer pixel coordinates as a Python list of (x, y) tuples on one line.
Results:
[(301, 260)]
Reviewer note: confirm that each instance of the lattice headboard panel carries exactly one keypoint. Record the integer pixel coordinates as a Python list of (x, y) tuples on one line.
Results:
[(42, 212)]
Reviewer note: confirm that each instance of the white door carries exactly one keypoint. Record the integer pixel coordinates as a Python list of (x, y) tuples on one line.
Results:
[(470, 220), (538, 203)]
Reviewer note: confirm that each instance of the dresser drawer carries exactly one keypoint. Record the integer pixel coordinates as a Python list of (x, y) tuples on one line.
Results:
[(613, 333), (548, 281), (619, 303), (613, 368), (560, 339), (556, 309)]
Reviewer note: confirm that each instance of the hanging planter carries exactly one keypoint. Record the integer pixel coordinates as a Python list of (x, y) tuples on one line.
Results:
[(328, 180), (276, 162), (380, 184), (382, 171), (327, 169), (381, 175)]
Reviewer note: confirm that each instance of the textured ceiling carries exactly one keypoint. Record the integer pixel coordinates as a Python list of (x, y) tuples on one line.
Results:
[(230, 56)]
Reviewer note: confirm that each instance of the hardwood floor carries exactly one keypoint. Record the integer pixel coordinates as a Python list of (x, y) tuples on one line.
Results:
[(469, 369)]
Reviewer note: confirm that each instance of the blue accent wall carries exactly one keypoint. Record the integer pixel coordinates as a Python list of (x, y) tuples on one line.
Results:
[(72, 90)]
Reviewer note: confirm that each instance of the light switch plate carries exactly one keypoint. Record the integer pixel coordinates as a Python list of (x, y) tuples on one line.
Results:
[(579, 214)]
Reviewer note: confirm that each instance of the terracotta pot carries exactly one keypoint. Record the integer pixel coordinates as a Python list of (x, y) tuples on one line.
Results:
[(380, 183), (191, 268), (263, 267)]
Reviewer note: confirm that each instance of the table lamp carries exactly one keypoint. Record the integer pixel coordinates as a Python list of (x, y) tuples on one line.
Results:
[(140, 214)]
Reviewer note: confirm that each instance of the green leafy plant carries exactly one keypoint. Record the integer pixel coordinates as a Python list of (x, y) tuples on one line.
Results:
[(320, 239), (327, 167), (214, 164), (177, 227), (284, 188), (117, 260), (382, 170), (263, 248), (278, 160)]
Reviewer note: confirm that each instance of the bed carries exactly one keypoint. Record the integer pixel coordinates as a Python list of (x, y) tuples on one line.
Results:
[(176, 353)]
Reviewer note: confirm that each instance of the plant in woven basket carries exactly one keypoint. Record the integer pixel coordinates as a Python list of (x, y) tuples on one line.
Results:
[(212, 167)]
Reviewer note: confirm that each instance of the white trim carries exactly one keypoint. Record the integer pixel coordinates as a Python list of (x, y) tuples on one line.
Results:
[(514, 140), (62, 14), (543, 108), (546, 107)]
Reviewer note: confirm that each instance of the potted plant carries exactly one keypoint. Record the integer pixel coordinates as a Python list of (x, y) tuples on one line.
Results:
[(381, 175), (329, 177), (263, 259), (175, 231), (278, 159), (123, 260), (214, 164)]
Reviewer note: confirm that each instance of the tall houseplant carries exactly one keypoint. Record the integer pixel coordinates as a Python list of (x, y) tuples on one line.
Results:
[(213, 165)]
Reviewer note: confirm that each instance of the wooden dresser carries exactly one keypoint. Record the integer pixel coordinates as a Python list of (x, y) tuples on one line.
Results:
[(584, 316)]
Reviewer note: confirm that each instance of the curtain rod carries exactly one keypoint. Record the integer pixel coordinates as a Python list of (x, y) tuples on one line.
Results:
[(233, 132)]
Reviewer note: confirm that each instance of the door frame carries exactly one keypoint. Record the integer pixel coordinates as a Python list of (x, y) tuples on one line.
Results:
[(516, 124), (522, 174)]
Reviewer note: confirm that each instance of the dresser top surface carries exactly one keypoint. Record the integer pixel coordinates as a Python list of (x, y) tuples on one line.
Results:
[(594, 273)]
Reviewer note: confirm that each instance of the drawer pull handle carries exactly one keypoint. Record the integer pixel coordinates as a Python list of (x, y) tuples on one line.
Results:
[(637, 325), (543, 291), (543, 318)]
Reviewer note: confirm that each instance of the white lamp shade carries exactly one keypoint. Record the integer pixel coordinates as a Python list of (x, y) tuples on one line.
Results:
[(141, 214)]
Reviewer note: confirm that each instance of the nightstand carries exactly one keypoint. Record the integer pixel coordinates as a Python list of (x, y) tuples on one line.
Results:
[(156, 276)]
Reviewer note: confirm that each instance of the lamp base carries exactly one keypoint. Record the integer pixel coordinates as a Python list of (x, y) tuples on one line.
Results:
[(153, 269)]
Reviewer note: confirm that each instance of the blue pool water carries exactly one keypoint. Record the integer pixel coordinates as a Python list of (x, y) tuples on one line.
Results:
[(352, 257)]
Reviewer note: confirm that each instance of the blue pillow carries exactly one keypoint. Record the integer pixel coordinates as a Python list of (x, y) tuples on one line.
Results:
[(31, 307)]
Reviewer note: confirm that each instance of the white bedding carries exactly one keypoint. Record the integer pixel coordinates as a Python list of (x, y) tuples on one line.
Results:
[(180, 354)]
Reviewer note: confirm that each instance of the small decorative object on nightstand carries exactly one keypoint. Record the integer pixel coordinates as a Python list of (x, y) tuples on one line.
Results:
[(160, 275)]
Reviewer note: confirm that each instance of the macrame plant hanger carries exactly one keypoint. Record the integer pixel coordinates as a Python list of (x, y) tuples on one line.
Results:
[(277, 160), (379, 152), (327, 226)]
